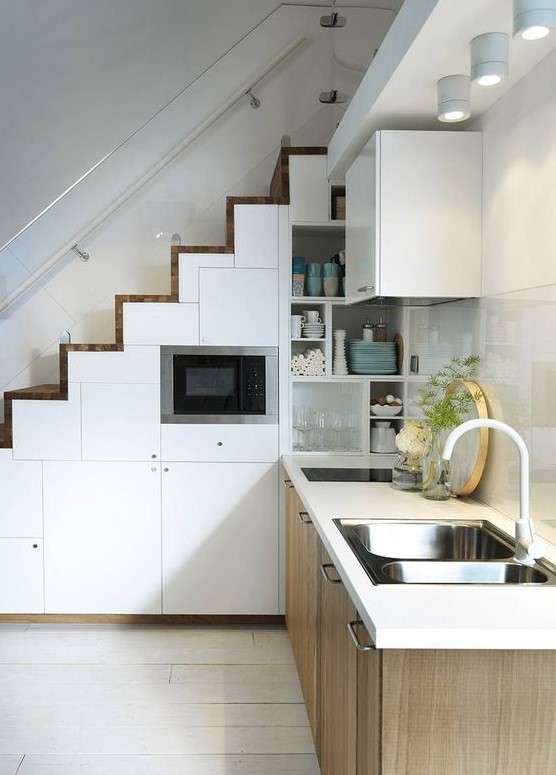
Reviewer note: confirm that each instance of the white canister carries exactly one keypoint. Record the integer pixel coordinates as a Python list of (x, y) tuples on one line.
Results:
[(383, 437)]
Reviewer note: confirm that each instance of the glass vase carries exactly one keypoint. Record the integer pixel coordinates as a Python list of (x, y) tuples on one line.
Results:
[(436, 471), (407, 473)]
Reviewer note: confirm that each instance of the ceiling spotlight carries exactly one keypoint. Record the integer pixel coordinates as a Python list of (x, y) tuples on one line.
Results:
[(333, 97), (489, 58), (332, 20), (533, 19), (453, 98)]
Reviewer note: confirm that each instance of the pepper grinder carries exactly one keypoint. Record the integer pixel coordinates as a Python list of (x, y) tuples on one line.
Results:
[(380, 331)]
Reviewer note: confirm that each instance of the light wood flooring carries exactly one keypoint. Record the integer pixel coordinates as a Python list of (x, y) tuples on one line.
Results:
[(139, 700)]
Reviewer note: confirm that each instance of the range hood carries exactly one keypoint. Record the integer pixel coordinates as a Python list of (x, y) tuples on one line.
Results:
[(408, 301)]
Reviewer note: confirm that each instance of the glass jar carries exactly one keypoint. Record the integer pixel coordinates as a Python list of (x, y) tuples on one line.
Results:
[(407, 473), (436, 471)]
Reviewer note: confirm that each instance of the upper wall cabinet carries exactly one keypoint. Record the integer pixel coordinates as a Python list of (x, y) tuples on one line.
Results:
[(413, 216), (309, 190)]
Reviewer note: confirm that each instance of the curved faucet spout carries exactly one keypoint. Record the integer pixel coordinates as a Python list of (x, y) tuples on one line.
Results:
[(526, 548)]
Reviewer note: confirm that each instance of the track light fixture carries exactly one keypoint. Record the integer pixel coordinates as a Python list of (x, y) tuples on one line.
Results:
[(453, 98), (489, 58), (533, 19)]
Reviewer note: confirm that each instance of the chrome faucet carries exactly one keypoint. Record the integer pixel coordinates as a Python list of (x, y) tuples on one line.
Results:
[(527, 548)]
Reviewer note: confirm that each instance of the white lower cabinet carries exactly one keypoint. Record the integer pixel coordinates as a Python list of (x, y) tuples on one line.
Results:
[(220, 538), (102, 537), (21, 576)]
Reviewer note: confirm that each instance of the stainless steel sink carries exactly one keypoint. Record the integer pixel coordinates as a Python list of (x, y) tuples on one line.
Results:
[(417, 572), (430, 541), (439, 552)]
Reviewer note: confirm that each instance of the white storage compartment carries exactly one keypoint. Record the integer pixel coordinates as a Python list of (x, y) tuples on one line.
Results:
[(21, 488), (120, 422), (309, 190), (21, 576), (161, 323), (47, 429), (134, 364), (220, 538), (256, 236), (102, 538), (220, 443)]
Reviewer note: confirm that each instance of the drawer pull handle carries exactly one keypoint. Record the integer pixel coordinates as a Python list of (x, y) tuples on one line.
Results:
[(219, 443), (288, 484), (153, 457), (352, 627), (365, 288), (324, 570), (304, 518)]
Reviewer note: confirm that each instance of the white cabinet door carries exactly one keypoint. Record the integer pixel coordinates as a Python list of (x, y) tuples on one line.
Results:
[(102, 538), (48, 430), (161, 323), (21, 576), (120, 422), (220, 538), (220, 443), (21, 488), (309, 190), (256, 236), (239, 306), (413, 225), (362, 225)]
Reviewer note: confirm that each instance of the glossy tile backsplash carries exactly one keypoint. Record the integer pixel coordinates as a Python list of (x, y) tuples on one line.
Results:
[(515, 335)]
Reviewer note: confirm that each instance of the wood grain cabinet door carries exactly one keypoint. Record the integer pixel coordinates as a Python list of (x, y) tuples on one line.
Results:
[(302, 601), (338, 675)]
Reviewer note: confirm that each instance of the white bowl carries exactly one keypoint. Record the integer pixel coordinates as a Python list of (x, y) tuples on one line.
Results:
[(386, 410)]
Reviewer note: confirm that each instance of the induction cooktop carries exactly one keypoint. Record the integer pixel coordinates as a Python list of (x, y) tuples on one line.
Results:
[(348, 474)]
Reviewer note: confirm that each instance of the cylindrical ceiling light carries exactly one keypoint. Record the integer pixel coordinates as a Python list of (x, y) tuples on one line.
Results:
[(453, 98), (533, 19), (489, 58)]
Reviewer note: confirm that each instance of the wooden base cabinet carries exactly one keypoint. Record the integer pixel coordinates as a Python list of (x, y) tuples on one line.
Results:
[(409, 711), (457, 712), (302, 587)]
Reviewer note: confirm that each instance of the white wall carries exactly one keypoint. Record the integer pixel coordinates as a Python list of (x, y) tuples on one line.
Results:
[(513, 326), (236, 156)]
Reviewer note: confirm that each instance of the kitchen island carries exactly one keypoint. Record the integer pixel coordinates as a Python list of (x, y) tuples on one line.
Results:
[(446, 679)]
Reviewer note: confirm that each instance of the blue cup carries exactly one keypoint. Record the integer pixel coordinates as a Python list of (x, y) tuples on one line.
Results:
[(330, 270), (314, 270), (313, 286)]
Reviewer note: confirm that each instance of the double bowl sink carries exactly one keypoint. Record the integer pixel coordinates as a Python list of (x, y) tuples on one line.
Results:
[(447, 552)]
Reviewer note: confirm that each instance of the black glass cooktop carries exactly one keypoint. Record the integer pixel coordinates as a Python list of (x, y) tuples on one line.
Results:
[(348, 474)]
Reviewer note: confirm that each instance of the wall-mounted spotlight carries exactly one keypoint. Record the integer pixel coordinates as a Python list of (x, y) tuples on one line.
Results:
[(453, 98), (489, 58), (533, 19)]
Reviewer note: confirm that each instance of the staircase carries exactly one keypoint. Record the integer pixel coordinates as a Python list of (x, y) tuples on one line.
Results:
[(279, 195)]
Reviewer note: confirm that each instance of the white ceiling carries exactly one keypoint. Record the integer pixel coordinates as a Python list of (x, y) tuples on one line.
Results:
[(429, 40)]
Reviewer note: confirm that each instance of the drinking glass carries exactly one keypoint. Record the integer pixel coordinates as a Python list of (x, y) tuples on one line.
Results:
[(303, 423), (352, 427)]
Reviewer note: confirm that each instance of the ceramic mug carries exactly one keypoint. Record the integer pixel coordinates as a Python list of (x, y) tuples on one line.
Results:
[(330, 285), (313, 286), (311, 316), (296, 326)]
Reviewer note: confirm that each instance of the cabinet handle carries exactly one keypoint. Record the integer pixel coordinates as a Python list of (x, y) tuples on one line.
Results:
[(324, 570), (288, 484), (304, 518), (153, 457), (35, 546), (352, 627), (219, 443), (165, 470), (154, 468), (366, 288)]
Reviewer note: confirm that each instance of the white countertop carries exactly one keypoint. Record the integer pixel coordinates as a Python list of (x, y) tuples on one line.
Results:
[(420, 615)]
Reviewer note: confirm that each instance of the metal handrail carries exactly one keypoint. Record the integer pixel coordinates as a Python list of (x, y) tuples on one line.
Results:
[(144, 179)]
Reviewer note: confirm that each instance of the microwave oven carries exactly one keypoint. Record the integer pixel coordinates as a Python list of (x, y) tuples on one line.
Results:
[(218, 384)]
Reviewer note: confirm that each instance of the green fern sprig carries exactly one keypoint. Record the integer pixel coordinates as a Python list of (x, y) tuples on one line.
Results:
[(441, 411)]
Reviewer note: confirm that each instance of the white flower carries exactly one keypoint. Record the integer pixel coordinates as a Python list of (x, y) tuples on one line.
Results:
[(413, 439)]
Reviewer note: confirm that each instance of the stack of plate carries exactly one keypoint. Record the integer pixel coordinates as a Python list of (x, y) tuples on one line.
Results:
[(372, 357), (313, 330)]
